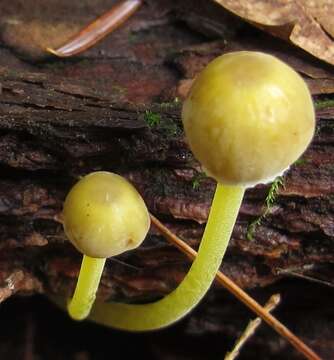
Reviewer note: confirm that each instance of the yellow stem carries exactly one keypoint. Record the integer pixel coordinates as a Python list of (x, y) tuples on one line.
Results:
[(186, 296), (87, 285)]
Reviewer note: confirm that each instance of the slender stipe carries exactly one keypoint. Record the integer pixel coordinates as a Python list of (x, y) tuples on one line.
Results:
[(240, 294)]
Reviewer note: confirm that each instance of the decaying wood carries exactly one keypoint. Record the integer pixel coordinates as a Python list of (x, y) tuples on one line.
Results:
[(62, 119)]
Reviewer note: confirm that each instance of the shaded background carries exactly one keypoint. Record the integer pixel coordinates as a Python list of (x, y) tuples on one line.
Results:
[(33, 328)]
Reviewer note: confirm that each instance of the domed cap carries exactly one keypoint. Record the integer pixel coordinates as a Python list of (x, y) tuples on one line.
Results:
[(104, 215), (248, 117)]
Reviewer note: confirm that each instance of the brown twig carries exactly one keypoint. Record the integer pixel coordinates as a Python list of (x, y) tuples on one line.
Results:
[(240, 294), (295, 273), (98, 29), (251, 328)]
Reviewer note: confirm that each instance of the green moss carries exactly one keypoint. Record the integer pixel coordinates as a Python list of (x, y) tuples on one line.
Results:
[(273, 192), (300, 162), (323, 103), (151, 118), (269, 203), (197, 179), (166, 126), (252, 227)]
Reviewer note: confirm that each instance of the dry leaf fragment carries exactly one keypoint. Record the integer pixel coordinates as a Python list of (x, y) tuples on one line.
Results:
[(308, 24)]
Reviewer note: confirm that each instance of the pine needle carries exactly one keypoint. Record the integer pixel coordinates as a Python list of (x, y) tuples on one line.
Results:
[(251, 328)]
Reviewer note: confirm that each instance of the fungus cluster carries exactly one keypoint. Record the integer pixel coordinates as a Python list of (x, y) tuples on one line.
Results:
[(248, 117)]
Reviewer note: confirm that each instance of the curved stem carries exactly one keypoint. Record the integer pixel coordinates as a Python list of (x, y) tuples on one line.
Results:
[(186, 296), (240, 294), (98, 29), (87, 285)]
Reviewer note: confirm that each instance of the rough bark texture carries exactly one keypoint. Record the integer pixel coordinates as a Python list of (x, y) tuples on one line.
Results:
[(117, 107)]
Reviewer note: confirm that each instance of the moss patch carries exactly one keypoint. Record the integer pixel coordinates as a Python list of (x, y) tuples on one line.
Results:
[(269, 203), (197, 179), (323, 103), (151, 118)]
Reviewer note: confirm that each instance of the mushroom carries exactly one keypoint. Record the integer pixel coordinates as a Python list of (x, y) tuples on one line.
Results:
[(248, 116), (103, 216)]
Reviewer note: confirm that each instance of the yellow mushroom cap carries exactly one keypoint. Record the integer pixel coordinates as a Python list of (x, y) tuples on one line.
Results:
[(248, 117), (104, 215)]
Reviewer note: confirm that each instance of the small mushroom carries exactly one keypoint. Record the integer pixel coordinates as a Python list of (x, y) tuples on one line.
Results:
[(103, 216)]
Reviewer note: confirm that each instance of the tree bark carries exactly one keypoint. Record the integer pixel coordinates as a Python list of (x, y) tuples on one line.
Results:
[(117, 108)]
